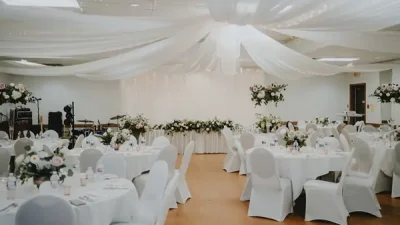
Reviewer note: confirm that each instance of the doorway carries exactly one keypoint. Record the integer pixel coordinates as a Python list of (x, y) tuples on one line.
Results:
[(358, 101)]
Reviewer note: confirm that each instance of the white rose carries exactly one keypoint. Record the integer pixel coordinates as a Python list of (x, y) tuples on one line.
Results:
[(6, 96), (380, 94), (272, 94), (26, 98), (172, 128), (12, 84), (16, 95), (34, 159), (273, 121), (207, 129), (392, 100), (395, 88), (388, 94), (109, 130), (43, 154)]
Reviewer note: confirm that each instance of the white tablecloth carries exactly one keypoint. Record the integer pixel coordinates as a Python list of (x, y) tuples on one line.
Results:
[(37, 143), (301, 167), (212, 142), (111, 205)]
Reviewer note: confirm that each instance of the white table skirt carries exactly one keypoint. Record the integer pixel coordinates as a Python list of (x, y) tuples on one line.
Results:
[(302, 167), (112, 205), (212, 142)]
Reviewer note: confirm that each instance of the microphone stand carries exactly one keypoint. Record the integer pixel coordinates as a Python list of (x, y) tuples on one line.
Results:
[(38, 109)]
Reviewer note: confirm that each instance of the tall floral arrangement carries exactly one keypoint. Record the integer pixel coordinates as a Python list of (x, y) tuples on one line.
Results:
[(387, 93), (265, 122), (265, 94), (107, 137), (41, 164), (12, 93), (136, 125), (324, 121), (291, 137)]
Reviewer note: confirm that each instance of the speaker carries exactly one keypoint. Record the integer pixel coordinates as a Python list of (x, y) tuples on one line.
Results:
[(55, 122)]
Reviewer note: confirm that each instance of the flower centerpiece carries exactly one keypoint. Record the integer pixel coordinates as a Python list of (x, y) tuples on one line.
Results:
[(40, 165), (14, 94), (387, 93), (120, 137), (271, 93), (107, 137), (137, 125), (291, 136), (324, 121), (268, 123)]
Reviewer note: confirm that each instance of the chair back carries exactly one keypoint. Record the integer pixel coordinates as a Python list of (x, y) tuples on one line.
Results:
[(290, 126), (340, 127), (4, 161), (397, 159), (376, 164), (264, 173), (31, 134), (363, 156), (345, 145), (348, 138), (301, 124), (311, 126), (114, 163), (247, 140), (359, 125), (45, 210), (228, 135), (90, 142), (350, 129), (168, 195), (161, 142), (89, 158), (312, 140), (79, 140), (186, 159), (332, 143), (369, 128), (169, 155), (20, 144), (51, 134), (335, 133), (345, 169), (242, 154), (3, 135), (153, 193)]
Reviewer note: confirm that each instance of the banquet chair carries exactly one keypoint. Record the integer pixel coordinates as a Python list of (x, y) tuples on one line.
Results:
[(247, 141), (89, 158), (167, 154), (340, 127), (242, 156), (79, 140), (20, 145), (243, 166), (182, 193), (332, 143), (113, 163), (4, 161), (369, 128), (90, 142), (335, 133), (345, 145), (172, 187), (160, 142), (45, 210), (3, 135), (271, 196), (312, 140), (232, 159), (311, 126), (350, 129), (358, 192), (396, 173), (348, 137), (50, 134), (31, 134), (320, 193), (290, 126), (385, 128), (359, 125), (301, 125), (362, 159)]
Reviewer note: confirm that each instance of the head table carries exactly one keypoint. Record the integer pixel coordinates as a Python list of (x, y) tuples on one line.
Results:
[(106, 201)]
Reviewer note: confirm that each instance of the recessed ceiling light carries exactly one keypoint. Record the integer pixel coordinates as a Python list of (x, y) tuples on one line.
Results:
[(134, 5), (338, 59)]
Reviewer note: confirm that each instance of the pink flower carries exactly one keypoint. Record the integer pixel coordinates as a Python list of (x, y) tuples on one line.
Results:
[(138, 126), (21, 89), (269, 88), (255, 89), (57, 161), (389, 88), (2, 86)]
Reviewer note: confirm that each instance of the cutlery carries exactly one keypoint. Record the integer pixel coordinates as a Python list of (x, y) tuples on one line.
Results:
[(13, 205)]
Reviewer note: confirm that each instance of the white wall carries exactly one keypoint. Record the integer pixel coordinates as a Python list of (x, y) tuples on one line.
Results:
[(93, 99)]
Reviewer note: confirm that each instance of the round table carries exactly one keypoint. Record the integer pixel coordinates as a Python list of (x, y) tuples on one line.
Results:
[(299, 167), (111, 201)]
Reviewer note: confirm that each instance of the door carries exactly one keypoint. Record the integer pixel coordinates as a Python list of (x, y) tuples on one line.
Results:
[(357, 101)]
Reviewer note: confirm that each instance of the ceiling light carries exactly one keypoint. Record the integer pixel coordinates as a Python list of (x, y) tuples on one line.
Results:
[(134, 5), (338, 59), (44, 3)]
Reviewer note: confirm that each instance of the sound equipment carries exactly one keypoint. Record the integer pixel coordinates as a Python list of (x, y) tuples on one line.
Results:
[(55, 122), (21, 118)]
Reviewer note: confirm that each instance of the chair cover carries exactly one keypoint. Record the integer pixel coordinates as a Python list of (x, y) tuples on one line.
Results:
[(301, 125), (320, 193), (335, 133), (344, 143), (232, 160), (396, 173), (172, 186), (362, 165), (359, 125), (3, 135), (331, 143), (51, 134), (312, 140), (242, 156), (182, 192), (161, 142), (89, 158), (369, 128), (247, 141), (311, 126), (340, 127), (20, 144), (290, 126), (45, 210), (271, 196), (348, 138), (25, 132), (79, 140), (4, 161), (385, 128), (350, 128), (91, 142), (114, 163)]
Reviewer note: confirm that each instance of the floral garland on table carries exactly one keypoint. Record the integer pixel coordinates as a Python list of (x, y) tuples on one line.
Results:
[(324, 121), (263, 95), (107, 136), (271, 121), (387, 93), (291, 136), (41, 164), (138, 124), (214, 125), (11, 93)]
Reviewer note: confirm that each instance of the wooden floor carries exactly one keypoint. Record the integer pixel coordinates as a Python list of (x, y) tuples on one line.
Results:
[(215, 200)]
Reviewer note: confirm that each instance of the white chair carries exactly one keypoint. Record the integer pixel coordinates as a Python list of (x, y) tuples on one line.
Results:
[(359, 125), (301, 124), (232, 160), (79, 140), (350, 129), (385, 128), (31, 134), (331, 143), (45, 210), (4, 161), (172, 186), (345, 145), (312, 140), (335, 133), (91, 142), (3, 135), (271, 196), (396, 173), (290, 126), (242, 156), (362, 163), (348, 137), (247, 141), (182, 192), (113, 163), (89, 158), (311, 126), (167, 154), (369, 128), (160, 142), (358, 192), (51, 134), (320, 194), (20, 145)]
